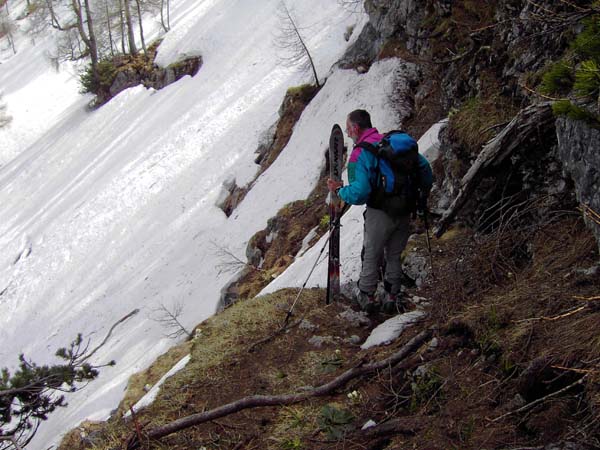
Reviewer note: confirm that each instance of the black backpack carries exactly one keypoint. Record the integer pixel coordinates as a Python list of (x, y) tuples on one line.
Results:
[(396, 190)]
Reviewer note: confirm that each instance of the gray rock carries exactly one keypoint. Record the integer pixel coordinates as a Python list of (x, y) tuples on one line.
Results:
[(433, 344), (354, 340), (307, 325), (355, 318), (320, 341), (416, 266), (421, 371), (516, 402), (578, 146)]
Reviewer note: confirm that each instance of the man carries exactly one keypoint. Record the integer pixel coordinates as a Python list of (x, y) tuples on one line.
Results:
[(384, 236)]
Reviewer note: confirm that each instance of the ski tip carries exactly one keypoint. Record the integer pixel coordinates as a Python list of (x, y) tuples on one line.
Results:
[(335, 128)]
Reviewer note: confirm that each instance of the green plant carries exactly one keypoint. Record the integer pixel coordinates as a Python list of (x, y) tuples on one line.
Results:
[(292, 444), (572, 111), (587, 78), (335, 422), (557, 79), (324, 223), (424, 388), (332, 363), (587, 43), (488, 343), (106, 74)]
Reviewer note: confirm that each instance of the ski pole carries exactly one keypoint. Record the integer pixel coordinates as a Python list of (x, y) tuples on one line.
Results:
[(289, 313), (335, 224), (428, 242)]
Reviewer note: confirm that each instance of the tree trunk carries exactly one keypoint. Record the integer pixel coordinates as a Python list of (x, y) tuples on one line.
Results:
[(169, 14), (139, 11), (89, 41), (162, 15), (92, 42), (110, 35), (122, 24), (129, 24)]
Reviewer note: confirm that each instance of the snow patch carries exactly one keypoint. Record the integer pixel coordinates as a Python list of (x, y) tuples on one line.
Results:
[(149, 398), (391, 329)]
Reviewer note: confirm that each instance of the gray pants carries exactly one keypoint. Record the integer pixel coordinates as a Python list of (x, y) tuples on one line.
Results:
[(383, 237)]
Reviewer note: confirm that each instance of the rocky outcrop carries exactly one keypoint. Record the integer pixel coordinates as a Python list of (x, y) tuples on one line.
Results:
[(578, 145), (153, 76)]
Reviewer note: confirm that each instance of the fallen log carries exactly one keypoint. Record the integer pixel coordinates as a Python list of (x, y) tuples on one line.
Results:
[(401, 425), (527, 124), (255, 401)]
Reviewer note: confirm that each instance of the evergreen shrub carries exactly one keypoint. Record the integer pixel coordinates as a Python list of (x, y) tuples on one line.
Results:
[(106, 76), (558, 78)]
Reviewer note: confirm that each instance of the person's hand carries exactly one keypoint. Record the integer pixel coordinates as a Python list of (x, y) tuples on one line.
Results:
[(333, 185)]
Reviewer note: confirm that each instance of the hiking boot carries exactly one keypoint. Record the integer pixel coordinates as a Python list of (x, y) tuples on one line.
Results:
[(393, 304), (366, 302)]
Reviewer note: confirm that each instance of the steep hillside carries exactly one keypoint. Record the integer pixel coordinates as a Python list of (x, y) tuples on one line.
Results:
[(502, 348), (509, 358)]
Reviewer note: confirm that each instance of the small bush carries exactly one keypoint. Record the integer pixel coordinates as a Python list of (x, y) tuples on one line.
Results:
[(335, 422), (106, 76), (587, 43), (557, 79), (587, 78), (566, 108)]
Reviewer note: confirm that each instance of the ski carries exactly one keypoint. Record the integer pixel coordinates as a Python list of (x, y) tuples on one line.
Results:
[(336, 149)]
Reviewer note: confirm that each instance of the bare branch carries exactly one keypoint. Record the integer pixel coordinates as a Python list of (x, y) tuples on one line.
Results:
[(169, 318), (229, 262)]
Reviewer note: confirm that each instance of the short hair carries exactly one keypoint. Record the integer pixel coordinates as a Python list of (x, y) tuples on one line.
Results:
[(361, 118)]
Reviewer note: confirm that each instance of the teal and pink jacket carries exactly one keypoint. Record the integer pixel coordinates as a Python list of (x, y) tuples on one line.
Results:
[(363, 169)]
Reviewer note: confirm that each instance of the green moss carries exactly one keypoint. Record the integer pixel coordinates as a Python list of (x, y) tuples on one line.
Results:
[(557, 79)]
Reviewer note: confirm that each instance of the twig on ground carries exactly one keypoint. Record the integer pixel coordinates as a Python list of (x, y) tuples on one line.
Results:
[(576, 370), (587, 299), (561, 316), (541, 400), (281, 329)]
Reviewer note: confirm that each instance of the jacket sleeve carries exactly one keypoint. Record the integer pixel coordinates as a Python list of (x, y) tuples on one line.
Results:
[(359, 189), (426, 174)]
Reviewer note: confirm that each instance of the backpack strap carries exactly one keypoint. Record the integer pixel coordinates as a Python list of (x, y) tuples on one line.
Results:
[(371, 148)]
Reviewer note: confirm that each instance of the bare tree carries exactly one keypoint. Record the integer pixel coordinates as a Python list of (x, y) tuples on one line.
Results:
[(165, 10), (7, 29), (169, 318), (229, 262), (293, 50), (5, 119), (139, 11), (129, 27)]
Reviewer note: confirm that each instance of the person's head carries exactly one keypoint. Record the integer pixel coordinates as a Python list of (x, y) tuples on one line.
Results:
[(356, 122)]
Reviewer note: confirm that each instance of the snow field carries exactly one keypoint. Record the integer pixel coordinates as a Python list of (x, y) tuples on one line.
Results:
[(109, 211)]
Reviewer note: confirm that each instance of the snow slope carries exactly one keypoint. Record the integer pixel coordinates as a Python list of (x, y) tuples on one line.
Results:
[(106, 212)]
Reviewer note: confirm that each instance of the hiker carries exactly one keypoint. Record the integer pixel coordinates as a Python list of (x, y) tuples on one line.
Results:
[(385, 235)]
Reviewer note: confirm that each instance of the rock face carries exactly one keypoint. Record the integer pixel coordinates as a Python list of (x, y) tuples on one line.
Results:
[(150, 76), (461, 58), (578, 146)]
